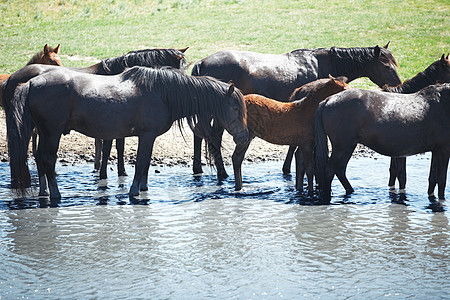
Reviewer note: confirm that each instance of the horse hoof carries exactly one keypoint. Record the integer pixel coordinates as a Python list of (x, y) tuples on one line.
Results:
[(222, 176), (197, 170)]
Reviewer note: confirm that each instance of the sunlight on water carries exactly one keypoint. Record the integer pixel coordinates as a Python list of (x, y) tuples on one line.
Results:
[(195, 239)]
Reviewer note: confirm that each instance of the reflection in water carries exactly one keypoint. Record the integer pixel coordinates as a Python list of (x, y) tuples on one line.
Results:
[(188, 237)]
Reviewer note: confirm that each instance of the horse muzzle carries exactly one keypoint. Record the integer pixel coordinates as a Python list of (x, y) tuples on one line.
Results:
[(241, 137)]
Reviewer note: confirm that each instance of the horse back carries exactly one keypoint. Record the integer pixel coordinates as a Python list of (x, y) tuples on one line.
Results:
[(272, 75)]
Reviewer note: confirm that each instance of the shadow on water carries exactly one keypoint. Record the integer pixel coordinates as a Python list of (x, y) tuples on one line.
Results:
[(262, 181)]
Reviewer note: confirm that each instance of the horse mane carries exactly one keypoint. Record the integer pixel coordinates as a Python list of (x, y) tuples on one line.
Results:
[(354, 58), (38, 55), (423, 79), (147, 58), (192, 98)]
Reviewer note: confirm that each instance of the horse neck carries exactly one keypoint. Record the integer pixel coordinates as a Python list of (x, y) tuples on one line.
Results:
[(349, 67), (415, 84)]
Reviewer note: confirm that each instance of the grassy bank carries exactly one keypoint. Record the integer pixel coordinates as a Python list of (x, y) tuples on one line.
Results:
[(89, 30)]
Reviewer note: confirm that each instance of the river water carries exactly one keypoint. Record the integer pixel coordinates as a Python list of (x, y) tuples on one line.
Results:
[(192, 238)]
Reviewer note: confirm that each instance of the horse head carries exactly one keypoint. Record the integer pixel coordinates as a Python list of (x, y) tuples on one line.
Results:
[(382, 69), (443, 69), (234, 117), (50, 56)]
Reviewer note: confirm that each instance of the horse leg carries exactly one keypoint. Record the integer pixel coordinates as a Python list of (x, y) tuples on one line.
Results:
[(308, 163), (237, 159), (34, 141), (120, 146), (299, 168), (144, 153), (339, 161), (401, 173), (98, 153), (288, 160), (197, 163), (43, 185), (214, 147), (106, 151), (49, 156), (392, 173), (438, 173)]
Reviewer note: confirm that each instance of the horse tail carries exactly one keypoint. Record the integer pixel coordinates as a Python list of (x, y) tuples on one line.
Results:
[(321, 150), (19, 128), (196, 69)]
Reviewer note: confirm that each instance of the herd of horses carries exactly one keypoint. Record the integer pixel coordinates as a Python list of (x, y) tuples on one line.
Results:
[(301, 99)]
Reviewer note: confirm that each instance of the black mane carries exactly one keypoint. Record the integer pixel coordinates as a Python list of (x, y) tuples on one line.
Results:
[(186, 96), (147, 58), (354, 58)]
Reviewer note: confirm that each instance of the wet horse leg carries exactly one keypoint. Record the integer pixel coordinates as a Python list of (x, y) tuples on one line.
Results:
[(401, 173), (48, 148), (288, 160), (438, 173), (38, 155), (120, 146), (237, 159), (392, 173), (106, 151), (98, 153), (197, 164), (144, 153), (338, 165), (214, 147), (308, 166), (299, 169)]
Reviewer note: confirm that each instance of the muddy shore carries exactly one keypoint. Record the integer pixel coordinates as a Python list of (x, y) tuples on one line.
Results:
[(171, 148)]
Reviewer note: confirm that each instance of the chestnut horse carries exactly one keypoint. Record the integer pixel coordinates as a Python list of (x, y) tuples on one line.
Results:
[(277, 76), (110, 66), (437, 72), (141, 102), (289, 123), (48, 56), (391, 124)]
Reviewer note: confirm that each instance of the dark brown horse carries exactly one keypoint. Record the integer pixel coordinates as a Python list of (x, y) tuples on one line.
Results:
[(437, 72), (110, 66), (141, 102), (391, 124), (276, 76), (289, 123), (48, 56)]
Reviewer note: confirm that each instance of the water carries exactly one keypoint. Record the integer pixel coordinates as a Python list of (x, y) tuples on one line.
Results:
[(190, 238)]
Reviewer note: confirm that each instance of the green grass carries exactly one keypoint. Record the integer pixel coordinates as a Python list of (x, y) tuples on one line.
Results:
[(418, 30)]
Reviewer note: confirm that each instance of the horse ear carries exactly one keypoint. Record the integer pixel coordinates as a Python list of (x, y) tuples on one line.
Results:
[(231, 88), (183, 50), (56, 50), (387, 45), (377, 51), (445, 60), (46, 51)]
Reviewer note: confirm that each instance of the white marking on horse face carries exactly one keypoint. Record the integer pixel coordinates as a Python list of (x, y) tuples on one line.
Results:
[(404, 109)]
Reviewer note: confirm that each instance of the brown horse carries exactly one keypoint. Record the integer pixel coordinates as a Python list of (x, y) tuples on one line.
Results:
[(437, 72), (289, 123), (391, 124), (48, 56), (276, 76)]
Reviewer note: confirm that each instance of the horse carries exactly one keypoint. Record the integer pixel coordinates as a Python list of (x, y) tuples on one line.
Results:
[(437, 72), (110, 66), (391, 124), (48, 56), (289, 123), (276, 76), (142, 102)]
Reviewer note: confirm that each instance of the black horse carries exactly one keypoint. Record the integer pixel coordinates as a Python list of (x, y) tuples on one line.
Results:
[(437, 72), (277, 76), (110, 66), (141, 102), (391, 124)]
